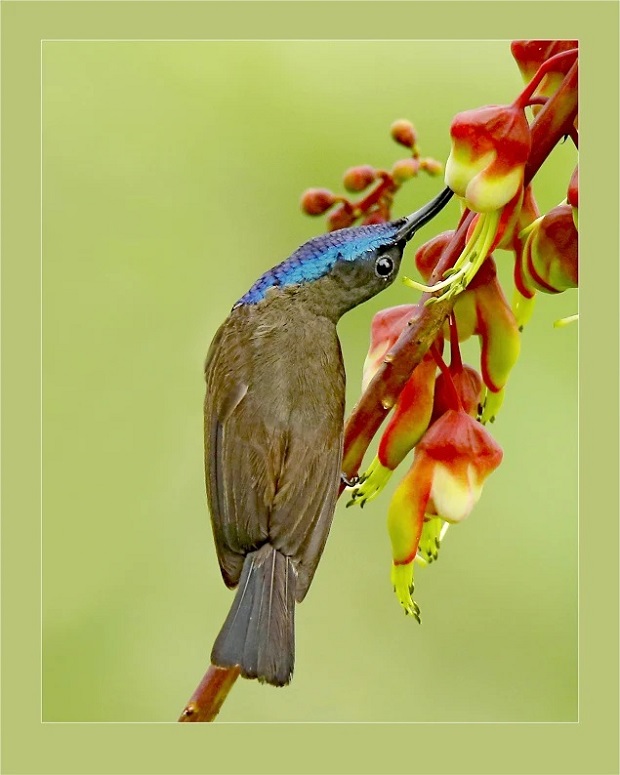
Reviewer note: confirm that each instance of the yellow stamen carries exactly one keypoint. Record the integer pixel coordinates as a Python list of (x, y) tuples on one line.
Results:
[(468, 263)]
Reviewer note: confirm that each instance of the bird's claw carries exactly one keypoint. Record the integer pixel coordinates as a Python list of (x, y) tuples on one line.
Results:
[(349, 481), (370, 484)]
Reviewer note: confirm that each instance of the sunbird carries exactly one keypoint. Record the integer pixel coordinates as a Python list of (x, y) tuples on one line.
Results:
[(273, 425)]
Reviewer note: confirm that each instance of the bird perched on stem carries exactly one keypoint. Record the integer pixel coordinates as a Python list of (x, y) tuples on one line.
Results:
[(274, 415)]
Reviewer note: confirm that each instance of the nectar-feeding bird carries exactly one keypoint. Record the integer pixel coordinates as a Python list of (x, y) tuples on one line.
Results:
[(274, 418)]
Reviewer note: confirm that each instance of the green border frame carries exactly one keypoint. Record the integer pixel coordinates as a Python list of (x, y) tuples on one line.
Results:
[(589, 746)]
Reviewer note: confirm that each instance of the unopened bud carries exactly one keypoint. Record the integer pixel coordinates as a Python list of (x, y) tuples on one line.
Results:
[(573, 189), (530, 54), (404, 169), (374, 217), (572, 195), (432, 166), (316, 201), (469, 388), (429, 253), (404, 133), (340, 219), (359, 178)]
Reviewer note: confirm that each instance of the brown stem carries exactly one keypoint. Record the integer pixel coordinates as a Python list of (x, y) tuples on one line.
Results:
[(549, 126), (208, 698), (386, 185)]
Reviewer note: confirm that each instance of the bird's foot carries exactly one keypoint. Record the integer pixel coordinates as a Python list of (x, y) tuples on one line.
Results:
[(370, 483), (402, 581), (349, 481)]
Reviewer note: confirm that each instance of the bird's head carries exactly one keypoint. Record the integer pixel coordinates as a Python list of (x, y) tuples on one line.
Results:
[(339, 270)]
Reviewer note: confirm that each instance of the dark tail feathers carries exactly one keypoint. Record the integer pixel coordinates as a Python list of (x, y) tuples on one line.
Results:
[(259, 632)]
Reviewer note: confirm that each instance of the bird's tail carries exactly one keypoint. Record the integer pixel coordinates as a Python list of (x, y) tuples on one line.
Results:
[(259, 632)]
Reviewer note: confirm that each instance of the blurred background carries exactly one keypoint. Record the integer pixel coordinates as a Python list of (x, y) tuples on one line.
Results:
[(172, 173)]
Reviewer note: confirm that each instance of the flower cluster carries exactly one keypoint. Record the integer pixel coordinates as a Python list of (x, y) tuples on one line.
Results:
[(441, 414), (437, 415), (375, 206)]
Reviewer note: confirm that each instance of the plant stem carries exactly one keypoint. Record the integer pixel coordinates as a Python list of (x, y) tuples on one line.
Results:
[(208, 698)]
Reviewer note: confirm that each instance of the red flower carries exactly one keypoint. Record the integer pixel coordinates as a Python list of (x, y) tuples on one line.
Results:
[(549, 261), (531, 54), (450, 465), (490, 147), (387, 325)]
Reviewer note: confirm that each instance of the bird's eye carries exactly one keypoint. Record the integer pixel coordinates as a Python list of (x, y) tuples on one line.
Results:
[(384, 266)]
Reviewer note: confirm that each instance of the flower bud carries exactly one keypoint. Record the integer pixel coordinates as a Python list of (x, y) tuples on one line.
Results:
[(408, 422), (549, 261), (531, 54), (411, 415), (490, 147), (405, 169), (359, 178), (572, 194), (429, 253), (387, 325), (468, 385), (496, 325), (375, 217), (404, 133), (316, 201), (523, 300), (432, 166), (340, 218)]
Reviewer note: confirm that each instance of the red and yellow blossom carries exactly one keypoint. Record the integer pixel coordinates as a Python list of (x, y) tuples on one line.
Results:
[(408, 422), (549, 261), (468, 385), (486, 168), (482, 310), (530, 55), (387, 325), (450, 465), (490, 147)]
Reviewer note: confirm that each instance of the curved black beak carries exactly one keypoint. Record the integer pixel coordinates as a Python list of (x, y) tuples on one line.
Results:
[(422, 216)]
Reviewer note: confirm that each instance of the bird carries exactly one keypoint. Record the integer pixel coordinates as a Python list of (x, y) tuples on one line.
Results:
[(273, 431)]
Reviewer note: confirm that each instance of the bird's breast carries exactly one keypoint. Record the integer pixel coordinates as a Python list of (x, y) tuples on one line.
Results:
[(293, 364)]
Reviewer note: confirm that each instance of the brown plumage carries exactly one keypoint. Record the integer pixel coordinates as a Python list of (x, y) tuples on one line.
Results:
[(274, 415), (274, 448)]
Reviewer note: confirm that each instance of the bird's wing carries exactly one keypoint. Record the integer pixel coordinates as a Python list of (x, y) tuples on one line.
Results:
[(233, 458), (271, 475), (305, 499)]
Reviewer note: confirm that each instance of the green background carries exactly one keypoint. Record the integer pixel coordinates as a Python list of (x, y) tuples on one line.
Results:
[(171, 178), (589, 746)]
